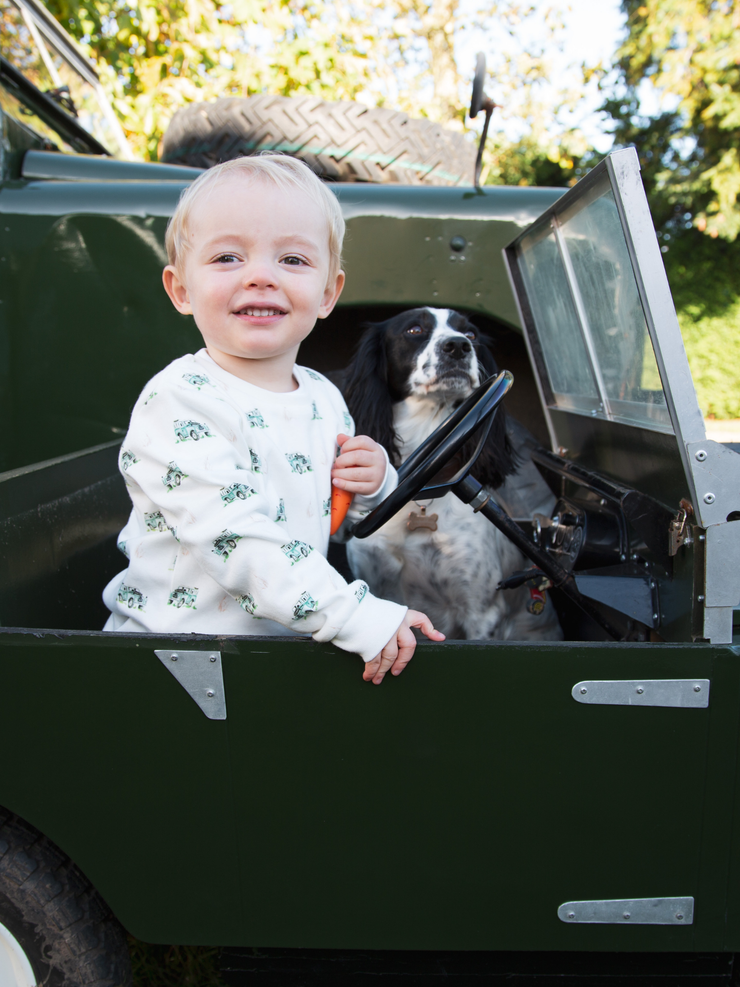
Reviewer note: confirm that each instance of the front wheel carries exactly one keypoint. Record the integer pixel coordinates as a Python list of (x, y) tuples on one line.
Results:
[(55, 929)]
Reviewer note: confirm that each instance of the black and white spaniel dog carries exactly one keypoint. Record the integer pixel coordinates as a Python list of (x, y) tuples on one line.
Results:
[(407, 376)]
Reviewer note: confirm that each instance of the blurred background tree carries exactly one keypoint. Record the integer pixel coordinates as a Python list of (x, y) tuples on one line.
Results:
[(689, 51), (157, 55)]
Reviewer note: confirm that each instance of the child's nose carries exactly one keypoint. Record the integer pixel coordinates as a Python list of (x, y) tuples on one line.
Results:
[(260, 274)]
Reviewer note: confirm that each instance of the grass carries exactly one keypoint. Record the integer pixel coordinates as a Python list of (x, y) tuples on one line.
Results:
[(703, 274), (713, 347), (174, 966)]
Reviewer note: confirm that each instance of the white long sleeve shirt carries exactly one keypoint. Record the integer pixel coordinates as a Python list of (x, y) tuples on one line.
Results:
[(229, 531)]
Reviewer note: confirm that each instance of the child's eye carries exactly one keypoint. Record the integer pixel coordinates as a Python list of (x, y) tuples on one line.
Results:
[(226, 258), (293, 259)]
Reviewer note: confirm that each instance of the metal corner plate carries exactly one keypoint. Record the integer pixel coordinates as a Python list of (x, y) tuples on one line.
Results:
[(201, 675), (629, 911), (684, 693)]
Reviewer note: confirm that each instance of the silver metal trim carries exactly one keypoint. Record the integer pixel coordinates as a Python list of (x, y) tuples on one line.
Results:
[(678, 693), (655, 293), (201, 675), (629, 911)]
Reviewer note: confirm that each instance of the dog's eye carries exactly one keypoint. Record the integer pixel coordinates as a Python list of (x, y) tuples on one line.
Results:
[(414, 331), (469, 334)]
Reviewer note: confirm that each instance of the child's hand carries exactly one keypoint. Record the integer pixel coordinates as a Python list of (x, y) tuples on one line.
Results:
[(361, 466), (400, 649)]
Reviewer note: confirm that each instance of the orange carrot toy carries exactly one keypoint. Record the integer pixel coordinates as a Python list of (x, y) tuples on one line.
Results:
[(340, 501)]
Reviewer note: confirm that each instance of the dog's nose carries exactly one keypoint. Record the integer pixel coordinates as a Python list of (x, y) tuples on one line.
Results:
[(456, 348)]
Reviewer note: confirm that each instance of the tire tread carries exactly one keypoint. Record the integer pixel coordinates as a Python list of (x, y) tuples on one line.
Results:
[(83, 942), (340, 141)]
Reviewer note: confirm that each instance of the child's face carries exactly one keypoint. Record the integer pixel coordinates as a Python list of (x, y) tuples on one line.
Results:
[(255, 277)]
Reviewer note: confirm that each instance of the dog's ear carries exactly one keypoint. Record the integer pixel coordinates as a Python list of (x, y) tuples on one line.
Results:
[(499, 458), (365, 389)]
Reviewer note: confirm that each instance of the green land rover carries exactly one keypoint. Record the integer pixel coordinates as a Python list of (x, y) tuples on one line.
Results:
[(501, 807)]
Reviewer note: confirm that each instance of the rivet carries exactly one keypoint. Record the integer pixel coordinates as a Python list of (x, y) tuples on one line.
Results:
[(213, 657), (458, 244), (709, 498), (626, 915), (477, 294), (571, 914), (584, 690), (210, 693), (702, 538), (655, 616), (639, 690), (700, 455), (679, 916), (700, 599), (697, 688), (173, 657), (622, 558)]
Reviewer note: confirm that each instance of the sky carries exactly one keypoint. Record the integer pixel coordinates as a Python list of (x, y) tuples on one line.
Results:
[(592, 33)]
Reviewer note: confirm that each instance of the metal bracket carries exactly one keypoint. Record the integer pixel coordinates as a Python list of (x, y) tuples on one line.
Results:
[(683, 693), (629, 911), (201, 676), (716, 473)]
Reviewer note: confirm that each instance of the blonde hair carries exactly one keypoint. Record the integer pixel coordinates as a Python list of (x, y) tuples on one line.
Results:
[(280, 169)]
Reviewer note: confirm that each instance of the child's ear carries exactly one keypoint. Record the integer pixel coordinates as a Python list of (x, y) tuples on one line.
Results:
[(331, 295), (176, 290)]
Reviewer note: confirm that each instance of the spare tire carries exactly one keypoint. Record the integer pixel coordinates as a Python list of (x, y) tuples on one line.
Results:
[(341, 142)]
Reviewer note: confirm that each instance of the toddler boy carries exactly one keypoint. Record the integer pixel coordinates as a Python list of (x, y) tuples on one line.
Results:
[(230, 454)]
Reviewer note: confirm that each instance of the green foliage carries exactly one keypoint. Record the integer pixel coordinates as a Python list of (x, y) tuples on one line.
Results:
[(689, 49), (155, 56)]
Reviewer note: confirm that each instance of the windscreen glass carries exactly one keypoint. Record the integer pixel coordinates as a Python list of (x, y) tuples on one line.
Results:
[(23, 45), (588, 315)]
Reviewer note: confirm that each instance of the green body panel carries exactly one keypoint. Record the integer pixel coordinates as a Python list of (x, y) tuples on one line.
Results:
[(84, 320), (472, 796), (455, 807)]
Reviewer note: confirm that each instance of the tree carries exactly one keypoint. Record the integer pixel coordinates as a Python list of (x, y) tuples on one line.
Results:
[(689, 49), (155, 56)]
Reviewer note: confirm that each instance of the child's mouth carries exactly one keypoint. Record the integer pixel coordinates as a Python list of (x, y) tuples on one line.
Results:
[(261, 312)]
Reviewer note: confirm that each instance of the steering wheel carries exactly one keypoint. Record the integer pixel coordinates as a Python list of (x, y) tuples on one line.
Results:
[(435, 452)]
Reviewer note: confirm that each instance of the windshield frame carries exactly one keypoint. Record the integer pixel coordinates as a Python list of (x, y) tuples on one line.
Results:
[(623, 170)]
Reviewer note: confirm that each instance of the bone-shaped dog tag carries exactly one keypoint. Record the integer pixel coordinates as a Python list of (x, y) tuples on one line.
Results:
[(422, 520)]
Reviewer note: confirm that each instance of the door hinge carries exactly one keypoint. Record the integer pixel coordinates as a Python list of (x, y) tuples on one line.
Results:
[(629, 911)]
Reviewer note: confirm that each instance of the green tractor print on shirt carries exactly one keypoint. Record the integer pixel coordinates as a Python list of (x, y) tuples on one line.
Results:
[(197, 380), (326, 507), (131, 597), (361, 592), (255, 419), (225, 544), (305, 605), (296, 550), (315, 417), (299, 463), (173, 477), (155, 522), (127, 459), (196, 431), (313, 375), (256, 462), (281, 515), (246, 602), (183, 596), (240, 490)]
